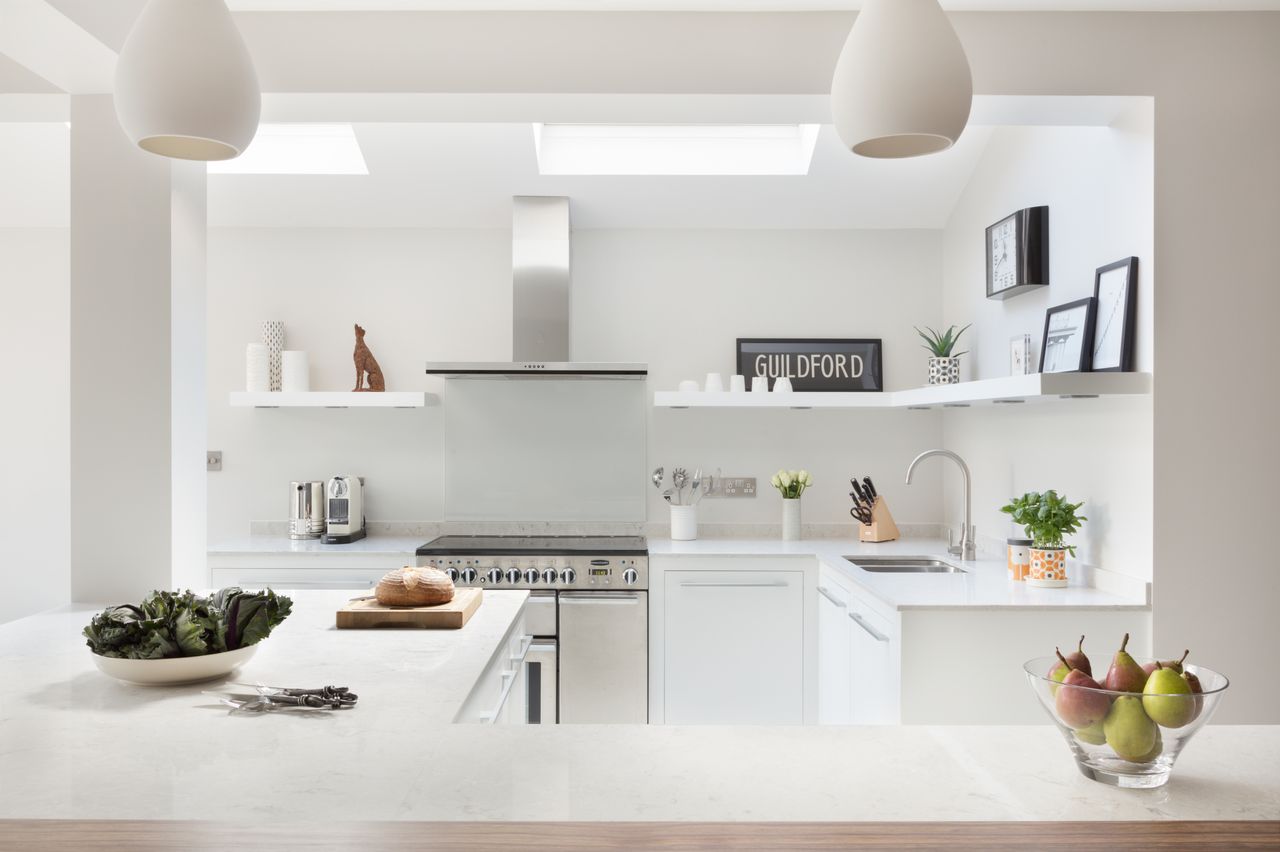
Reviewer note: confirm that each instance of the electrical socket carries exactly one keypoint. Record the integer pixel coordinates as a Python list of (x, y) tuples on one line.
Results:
[(735, 486), (213, 460)]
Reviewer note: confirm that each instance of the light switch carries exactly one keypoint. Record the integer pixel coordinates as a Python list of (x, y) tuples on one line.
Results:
[(213, 460)]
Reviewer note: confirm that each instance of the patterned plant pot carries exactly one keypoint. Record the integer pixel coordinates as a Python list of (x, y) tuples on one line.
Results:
[(944, 371), (1048, 567)]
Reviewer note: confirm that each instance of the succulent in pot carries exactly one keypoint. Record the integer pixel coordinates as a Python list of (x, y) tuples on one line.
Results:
[(944, 366), (1048, 519)]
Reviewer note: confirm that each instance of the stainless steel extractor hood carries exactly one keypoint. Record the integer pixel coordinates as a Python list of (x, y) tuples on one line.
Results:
[(540, 312)]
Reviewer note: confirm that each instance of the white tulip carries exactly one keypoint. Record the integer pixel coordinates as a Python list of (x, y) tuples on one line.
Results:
[(786, 478), (777, 482), (803, 477)]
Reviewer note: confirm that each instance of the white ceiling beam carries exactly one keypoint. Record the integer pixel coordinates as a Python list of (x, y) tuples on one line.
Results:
[(51, 45)]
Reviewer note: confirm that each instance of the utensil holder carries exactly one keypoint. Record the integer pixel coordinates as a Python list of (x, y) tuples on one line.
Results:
[(882, 527), (684, 523)]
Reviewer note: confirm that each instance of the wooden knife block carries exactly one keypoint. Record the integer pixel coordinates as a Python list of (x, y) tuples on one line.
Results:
[(882, 527)]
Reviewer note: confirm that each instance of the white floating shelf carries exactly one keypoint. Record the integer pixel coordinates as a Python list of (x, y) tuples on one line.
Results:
[(1011, 390), (332, 399)]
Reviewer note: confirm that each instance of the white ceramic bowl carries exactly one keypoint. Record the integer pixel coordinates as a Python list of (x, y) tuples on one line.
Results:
[(175, 670)]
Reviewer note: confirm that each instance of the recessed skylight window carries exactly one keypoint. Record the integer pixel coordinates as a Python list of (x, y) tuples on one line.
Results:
[(674, 149), (298, 149)]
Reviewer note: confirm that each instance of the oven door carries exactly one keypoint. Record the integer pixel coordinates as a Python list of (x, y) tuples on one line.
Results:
[(604, 657)]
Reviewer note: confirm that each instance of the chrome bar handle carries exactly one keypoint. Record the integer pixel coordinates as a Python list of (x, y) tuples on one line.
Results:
[(876, 634)]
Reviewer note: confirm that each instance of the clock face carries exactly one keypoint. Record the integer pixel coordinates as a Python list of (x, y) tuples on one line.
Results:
[(1004, 253)]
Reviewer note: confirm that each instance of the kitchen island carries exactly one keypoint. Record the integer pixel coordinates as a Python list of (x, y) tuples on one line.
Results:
[(77, 744)]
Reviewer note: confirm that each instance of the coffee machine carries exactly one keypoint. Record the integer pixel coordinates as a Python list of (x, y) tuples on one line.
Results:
[(344, 510)]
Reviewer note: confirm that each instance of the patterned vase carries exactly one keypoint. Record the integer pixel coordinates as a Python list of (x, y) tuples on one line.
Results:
[(273, 337), (1048, 567), (944, 371)]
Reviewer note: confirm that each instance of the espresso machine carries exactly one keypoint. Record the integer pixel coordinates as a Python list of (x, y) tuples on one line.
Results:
[(344, 510), (306, 510)]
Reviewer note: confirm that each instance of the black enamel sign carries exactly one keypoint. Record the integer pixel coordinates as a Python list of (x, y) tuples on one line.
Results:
[(818, 364)]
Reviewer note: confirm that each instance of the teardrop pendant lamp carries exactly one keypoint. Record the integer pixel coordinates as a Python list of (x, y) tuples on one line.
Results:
[(185, 83), (902, 86)]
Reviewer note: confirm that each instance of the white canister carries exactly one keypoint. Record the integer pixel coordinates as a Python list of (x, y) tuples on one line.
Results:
[(273, 337), (759, 384), (684, 523), (295, 375), (688, 386), (737, 384), (257, 371), (714, 383), (791, 519), (782, 385)]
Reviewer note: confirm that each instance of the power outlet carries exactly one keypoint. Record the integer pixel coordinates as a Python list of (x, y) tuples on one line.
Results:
[(213, 460), (735, 486)]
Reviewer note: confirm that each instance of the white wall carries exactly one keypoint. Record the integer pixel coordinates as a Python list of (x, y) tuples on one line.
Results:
[(1097, 183), (34, 440), (674, 299)]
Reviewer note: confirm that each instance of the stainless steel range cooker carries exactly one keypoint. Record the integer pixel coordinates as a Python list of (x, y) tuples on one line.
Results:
[(588, 611)]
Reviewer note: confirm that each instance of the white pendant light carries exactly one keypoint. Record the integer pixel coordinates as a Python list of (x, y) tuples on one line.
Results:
[(902, 86), (185, 84)]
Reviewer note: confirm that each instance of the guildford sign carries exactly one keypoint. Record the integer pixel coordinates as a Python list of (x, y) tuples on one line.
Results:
[(822, 364)]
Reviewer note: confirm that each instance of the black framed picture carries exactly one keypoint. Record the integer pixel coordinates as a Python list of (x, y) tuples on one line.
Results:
[(1067, 346), (814, 364), (1115, 288), (1018, 253)]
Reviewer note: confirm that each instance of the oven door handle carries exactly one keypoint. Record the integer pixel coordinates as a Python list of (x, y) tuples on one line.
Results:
[(577, 598)]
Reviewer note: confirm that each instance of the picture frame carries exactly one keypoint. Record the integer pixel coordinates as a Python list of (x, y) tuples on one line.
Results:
[(1115, 290), (1017, 250), (1020, 355), (817, 364), (1067, 344)]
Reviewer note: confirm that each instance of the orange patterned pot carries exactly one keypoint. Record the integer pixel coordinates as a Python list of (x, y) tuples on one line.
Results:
[(1048, 567)]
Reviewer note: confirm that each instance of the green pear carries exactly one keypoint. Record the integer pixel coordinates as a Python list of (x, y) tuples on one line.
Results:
[(1130, 733), (1125, 675), (1176, 665), (1167, 698), (1155, 749), (1093, 735)]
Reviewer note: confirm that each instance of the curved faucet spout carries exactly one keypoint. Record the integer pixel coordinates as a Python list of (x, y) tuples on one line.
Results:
[(968, 548)]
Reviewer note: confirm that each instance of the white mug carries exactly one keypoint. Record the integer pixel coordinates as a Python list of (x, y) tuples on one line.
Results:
[(759, 384), (715, 383), (738, 384), (688, 386), (782, 385)]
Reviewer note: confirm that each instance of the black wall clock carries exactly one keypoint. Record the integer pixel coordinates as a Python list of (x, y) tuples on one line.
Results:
[(1018, 253)]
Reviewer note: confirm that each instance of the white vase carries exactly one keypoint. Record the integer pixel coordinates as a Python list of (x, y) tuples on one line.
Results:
[(273, 337), (257, 370), (684, 523), (295, 374), (791, 519)]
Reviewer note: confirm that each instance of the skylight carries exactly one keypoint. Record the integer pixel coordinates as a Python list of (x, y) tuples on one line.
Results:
[(298, 149), (676, 149)]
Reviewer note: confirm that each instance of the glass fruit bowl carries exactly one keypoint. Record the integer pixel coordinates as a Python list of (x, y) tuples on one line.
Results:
[(1126, 739)]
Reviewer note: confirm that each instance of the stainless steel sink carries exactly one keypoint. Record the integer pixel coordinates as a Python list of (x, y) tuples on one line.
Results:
[(904, 565)]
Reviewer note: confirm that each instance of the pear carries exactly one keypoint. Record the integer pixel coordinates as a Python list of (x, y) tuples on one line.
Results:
[(1077, 659), (1129, 731), (1197, 692), (1176, 665), (1167, 698), (1155, 749), (1077, 703), (1125, 675), (1093, 735)]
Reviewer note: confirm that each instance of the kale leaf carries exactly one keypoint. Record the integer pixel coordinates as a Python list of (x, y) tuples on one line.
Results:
[(184, 624)]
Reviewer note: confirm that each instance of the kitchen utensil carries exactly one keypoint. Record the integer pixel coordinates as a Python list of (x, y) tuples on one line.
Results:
[(694, 494), (344, 510), (678, 478), (737, 384), (759, 384), (327, 692), (272, 697), (657, 478), (871, 488), (363, 613), (861, 514), (782, 385), (667, 495), (714, 383), (306, 509), (688, 386), (858, 494)]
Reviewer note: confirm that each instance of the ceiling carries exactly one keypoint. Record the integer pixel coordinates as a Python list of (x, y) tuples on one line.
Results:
[(463, 176), (739, 5)]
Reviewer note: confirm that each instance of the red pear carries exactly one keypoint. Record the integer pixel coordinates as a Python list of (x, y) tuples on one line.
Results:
[(1076, 702), (1125, 675), (1077, 659)]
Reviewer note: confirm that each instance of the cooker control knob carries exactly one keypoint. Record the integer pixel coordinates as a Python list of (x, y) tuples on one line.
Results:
[(568, 576), (452, 573), (531, 575), (630, 576), (549, 576), (468, 575), (513, 575), (493, 575)]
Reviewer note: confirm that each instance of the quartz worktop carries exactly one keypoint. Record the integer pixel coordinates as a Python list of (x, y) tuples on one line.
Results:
[(985, 582), (268, 545), (89, 747)]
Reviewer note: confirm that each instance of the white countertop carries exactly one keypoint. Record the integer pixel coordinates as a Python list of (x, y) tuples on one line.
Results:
[(985, 583), (88, 747), (265, 545)]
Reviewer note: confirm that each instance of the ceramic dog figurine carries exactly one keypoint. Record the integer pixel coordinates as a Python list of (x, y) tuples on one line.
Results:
[(367, 365)]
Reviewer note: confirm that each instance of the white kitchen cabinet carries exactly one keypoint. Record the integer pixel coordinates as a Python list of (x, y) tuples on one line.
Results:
[(859, 682), (733, 645), (835, 674)]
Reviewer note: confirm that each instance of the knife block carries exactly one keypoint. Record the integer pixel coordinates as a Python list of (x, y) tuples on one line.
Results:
[(882, 527)]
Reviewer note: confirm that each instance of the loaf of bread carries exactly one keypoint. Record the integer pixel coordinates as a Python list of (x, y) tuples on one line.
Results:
[(411, 586)]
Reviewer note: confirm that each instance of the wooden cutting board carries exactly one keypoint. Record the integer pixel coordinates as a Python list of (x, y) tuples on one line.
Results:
[(363, 613)]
